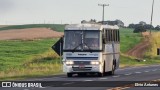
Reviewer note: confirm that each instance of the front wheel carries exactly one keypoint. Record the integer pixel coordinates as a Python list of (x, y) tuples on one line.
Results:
[(82, 74), (69, 74), (100, 74), (103, 73)]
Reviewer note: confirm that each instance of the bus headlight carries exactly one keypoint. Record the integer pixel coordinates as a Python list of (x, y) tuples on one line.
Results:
[(95, 62), (69, 62)]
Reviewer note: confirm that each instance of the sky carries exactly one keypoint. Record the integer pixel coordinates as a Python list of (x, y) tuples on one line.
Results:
[(74, 11)]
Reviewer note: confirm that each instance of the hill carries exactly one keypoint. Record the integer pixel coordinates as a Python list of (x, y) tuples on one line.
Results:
[(57, 27)]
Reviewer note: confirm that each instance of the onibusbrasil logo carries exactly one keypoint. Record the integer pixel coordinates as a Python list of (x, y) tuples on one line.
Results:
[(21, 84)]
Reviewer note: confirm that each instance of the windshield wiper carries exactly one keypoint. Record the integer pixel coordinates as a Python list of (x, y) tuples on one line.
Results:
[(76, 47), (88, 47), (90, 50)]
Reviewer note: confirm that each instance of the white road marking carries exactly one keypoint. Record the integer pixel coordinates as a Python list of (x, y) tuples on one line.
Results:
[(130, 68), (137, 72), (68, 83), (128, 74), (127, 68), (26, 89), (154, 70), (103, 78), (146, 71), (38, 79), (88, 80), (138, 67), (116, 76), (42, 87), (146, 66)]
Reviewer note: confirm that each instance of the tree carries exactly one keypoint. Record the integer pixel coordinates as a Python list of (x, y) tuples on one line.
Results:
[(139, 28), (142, 23), (131, 26), (157, 27)]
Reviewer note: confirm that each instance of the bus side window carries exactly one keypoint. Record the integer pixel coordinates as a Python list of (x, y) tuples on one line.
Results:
[(118, 36), (114, 35), (110, 35), (107, 36), (104, 36)]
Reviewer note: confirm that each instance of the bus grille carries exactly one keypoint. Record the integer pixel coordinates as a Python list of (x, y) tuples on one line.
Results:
[(81, 62), (82, 69)]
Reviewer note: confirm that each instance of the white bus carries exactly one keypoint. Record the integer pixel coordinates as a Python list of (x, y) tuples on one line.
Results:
[(90, 48)]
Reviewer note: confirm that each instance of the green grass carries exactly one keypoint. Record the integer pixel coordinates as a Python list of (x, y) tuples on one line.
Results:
[(28, 58), (126, 61), (128, 39), (57, 27)]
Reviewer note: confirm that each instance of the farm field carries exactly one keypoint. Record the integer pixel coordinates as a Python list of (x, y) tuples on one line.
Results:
[(57, 27), (29, 34), (1, 26)]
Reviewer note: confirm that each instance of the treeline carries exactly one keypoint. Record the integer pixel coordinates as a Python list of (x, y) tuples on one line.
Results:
[(144, 26)]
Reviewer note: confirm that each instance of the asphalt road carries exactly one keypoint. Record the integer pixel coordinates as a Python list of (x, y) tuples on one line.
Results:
[(125, 75)]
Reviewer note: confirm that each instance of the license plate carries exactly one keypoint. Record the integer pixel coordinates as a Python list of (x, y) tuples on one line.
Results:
[(81, 66)]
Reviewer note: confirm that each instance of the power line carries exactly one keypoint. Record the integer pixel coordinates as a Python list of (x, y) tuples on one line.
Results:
[(152, 15), (103, 5)]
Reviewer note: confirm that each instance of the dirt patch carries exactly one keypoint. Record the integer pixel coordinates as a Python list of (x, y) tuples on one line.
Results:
[(29, 34), (1, 26), (139, 50)]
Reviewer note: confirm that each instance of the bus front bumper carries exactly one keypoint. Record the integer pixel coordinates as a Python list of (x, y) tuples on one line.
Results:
[(80, 68)]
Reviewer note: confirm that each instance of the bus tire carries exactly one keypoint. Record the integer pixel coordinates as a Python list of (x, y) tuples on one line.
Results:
[(113, 69), (82, 74), (100, 74), (103, 73), (69, 74)]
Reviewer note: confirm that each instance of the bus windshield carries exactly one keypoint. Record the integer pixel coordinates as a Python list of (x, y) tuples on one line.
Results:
[(82, 40)]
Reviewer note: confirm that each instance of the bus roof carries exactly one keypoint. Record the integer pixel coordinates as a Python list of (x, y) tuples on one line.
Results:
[(89, 27)]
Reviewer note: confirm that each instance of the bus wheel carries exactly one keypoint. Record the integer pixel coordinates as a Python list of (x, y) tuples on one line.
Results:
[(82, 74), (103, 73), (113, 69), (100, 74), (69, 74)]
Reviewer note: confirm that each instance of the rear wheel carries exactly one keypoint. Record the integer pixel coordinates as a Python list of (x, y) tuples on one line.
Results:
[(113, 69), (69, 74)]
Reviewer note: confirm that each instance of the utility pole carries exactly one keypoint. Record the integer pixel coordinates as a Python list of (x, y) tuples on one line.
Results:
[(103, 5), (152, 14)]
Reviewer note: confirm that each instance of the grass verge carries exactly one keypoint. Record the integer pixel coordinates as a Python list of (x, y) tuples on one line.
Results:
[(28, 59), (128, 39), (154, 44)]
